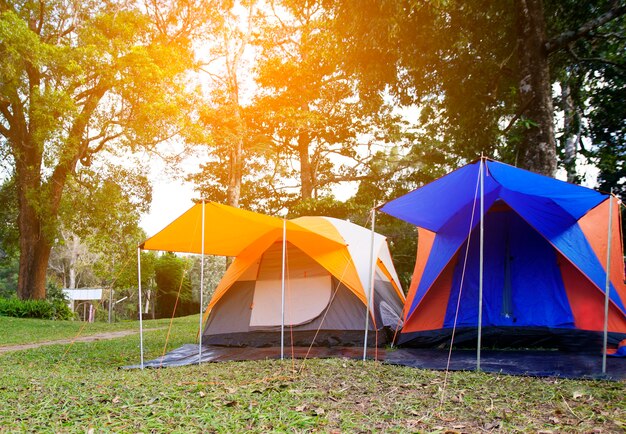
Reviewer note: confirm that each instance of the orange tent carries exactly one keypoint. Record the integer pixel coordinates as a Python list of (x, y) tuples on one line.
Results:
[(247, 236)]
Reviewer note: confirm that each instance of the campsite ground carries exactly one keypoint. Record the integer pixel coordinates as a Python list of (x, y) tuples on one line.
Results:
[(79, 388)]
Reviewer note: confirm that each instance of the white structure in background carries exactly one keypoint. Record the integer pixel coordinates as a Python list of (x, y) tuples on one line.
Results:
[(84, 297)]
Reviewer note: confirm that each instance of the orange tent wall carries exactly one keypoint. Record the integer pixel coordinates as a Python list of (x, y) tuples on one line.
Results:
[(595, 227), (431, 312), (586, 302), (425, 240)]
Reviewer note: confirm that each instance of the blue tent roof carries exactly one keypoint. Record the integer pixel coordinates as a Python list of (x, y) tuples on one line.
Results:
[(550, 206), (433, 205)]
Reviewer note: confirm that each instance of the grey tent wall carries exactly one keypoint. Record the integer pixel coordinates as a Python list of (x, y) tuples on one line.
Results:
[(228, 323)]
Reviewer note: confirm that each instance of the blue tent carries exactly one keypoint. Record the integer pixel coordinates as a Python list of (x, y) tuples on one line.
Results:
[(544, 256)]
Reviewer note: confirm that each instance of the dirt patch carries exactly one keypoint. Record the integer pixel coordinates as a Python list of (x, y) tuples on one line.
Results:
[(90, 338)]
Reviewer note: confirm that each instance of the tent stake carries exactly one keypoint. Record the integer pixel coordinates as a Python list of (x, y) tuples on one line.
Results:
[(282, 290), (481, 173), (607, 288), (140, 306), (201, 287), (371, 286)]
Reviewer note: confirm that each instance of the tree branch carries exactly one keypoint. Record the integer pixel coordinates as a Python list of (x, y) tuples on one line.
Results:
[(609, 35), (566, 38), (594, 59), (518, 115), (5, 131)]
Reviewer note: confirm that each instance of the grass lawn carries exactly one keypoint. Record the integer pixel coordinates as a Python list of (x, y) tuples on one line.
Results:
[(17, 331), (79, 388)]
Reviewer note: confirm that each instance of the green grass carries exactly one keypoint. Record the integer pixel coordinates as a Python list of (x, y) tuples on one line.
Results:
[(53, 389), (17, 331)]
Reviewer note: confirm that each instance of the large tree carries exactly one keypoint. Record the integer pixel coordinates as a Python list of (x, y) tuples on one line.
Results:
[(77, 78), (308, 109), (482, 72), (222, 115)]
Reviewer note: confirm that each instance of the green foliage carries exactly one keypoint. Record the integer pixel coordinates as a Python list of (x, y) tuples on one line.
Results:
[(9, 266), (326, 206), (458, 61), (173, 287), (83, 79), (94, 203), (442, 56), (9, 236), (55, 293), (42, 309)]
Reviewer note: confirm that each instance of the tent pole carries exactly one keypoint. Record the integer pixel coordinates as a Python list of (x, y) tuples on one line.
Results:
[(607, 287), (282, 292), (201, 287), (140, 306), (481, 173), (371, 286)]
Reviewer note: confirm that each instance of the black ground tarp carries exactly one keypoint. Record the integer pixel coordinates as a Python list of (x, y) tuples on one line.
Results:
[(188, 354), (533, 363)]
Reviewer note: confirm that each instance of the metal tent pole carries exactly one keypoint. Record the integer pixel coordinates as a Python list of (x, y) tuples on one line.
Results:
[(481, 173), (282, 290), (140, 306), (201, 288), (371, 287), (607, 287)]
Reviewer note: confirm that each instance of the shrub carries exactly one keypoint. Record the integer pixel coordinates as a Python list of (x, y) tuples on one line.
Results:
[(43, 309)]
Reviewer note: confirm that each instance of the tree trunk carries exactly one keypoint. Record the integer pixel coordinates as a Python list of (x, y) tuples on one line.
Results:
[(236, 145), (234, 174), (570, 131), (306, 191), (34, 253), (537, 151)]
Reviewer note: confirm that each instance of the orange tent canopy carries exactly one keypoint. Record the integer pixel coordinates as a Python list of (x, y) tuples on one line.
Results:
[(246, 235)]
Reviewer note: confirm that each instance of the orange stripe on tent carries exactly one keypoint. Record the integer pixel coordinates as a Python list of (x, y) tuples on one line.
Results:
[(425, 240), (383, 269), (594, 225), (586, 302), (337, 261), (320, 226), (431, 312)]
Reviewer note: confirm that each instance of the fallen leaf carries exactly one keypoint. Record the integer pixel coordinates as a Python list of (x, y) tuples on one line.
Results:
[(116, 400), (492, 425), (577, 394), (319, 411), (301, 408)]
